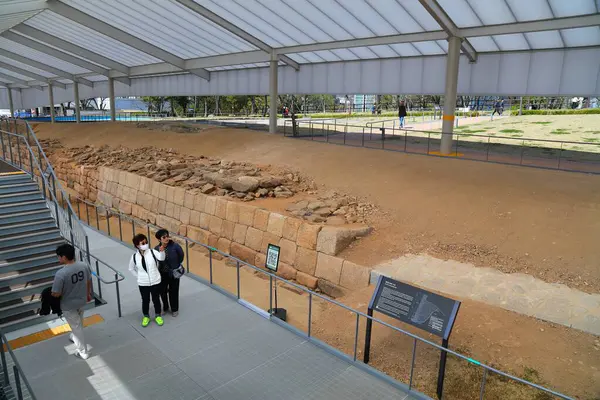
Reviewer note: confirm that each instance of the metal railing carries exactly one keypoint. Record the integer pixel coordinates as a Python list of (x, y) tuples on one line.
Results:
[(540, 153), (274, 279), (17, 373), (61, 210)]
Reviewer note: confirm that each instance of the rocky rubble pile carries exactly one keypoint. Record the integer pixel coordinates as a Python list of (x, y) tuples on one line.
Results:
[(207, 175), (333, 209)]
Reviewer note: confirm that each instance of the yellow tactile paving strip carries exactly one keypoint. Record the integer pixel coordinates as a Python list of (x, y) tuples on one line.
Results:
[(51, 332)]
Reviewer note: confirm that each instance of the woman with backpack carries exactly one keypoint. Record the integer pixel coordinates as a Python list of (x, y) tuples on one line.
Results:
[(144, 265)]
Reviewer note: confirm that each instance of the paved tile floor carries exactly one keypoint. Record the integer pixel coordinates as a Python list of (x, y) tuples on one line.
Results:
[(215, 349)]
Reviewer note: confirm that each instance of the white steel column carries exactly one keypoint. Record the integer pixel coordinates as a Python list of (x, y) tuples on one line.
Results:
[(77, 108), (10, 102), (111, 96), (454, 44), (273, 96), (51, 98)]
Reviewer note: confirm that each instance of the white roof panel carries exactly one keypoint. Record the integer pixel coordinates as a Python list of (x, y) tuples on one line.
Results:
[(40, 57), (544, 40), (15, 75), (582, 36), (80, 35), (569, 8), (511, 42), (25, 67)]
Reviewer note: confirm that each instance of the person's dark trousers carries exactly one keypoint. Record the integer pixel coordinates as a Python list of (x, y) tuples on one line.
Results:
[(146, 292), (170, 293)]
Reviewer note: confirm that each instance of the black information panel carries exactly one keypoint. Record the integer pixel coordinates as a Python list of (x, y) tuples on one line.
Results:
[(425, 310)]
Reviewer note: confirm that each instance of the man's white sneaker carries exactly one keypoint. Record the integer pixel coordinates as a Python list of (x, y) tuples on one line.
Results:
[(82, 355), (71, 338)]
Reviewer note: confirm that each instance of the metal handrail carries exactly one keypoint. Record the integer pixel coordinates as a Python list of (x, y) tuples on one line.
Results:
[(84, 248), (19, 375), (239, 262)]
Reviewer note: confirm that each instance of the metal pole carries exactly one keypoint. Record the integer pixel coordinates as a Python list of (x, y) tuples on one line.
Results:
[(356, 335), (522, 151), (30, 162), (111, 96), (363, 137), (560, 154), (51, 99), (452, 62), (87, 213), (487, 155), (133, 227), (97, 218), (210, 265), (87, 248), (99, 282), (79, 210), (148, 234), (482, 391), (77, 106), (238, 278), (10, 149), (2, 144), (521, 105), (187, 256), (273, 69), (118, 293), (10, 102), (271, 294), (120, 228), (309, 312), (4, 367), (18, 383), (412, 364)]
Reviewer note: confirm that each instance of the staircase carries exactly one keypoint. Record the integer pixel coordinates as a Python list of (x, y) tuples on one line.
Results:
[(28, 240)]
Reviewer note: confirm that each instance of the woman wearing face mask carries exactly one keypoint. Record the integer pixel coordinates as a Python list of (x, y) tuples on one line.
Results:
[(144, 265)]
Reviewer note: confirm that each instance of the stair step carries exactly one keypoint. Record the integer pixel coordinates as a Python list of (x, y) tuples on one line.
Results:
[(31, 249), (22, 291), (17, 278), (30, 262), (20, 197), (26, 216), (39, 225), (15, 178), (25, 239), (18, 187), (20, 308), (32, 205)]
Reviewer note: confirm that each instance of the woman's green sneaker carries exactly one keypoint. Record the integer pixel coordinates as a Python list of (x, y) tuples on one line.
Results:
[(145, 321), (159, 320)]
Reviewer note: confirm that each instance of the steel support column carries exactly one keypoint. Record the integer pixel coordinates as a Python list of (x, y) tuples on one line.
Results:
[(10, 102), (51, 99), (111, 96), (273, 96), (77, 102), (452, 59)]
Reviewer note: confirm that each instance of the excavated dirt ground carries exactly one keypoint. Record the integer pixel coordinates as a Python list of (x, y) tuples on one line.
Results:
[(543, 223)]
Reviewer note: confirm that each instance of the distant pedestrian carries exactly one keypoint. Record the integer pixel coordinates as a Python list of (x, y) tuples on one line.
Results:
[(401, 113), (170, 275), (144, 265), (498, 108), (73, 285)]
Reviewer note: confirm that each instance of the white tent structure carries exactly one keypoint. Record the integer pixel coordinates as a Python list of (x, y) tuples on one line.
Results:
[(58, 50)]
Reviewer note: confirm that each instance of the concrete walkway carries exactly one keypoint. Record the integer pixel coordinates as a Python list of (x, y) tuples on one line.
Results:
[(515, 292), (215, 349)]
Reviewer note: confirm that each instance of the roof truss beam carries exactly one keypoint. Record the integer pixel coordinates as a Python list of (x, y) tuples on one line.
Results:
[(228, 26), (61, 55), (70, 47), (581, 21), (18, 81), (47, 68), (22, 7), (117, 34), (35, 76), (438, 13)]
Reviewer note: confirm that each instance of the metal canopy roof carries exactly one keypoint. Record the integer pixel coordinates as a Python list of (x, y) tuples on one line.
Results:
[(90, 41)]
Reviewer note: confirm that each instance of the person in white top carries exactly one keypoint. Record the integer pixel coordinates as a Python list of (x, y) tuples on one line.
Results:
[(144, 265)]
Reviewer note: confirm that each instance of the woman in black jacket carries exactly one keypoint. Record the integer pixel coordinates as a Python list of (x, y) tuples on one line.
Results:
[(401, 113), (174, 259)]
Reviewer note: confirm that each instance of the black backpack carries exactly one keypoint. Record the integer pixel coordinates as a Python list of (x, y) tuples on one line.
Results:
[(161, 265)]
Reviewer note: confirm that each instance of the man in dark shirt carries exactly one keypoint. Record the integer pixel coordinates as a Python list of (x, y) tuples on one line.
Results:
[(401, 113), (174, 258)]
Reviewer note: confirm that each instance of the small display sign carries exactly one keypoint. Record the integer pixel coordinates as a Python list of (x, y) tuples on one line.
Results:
[(418, 307), (272, 257)]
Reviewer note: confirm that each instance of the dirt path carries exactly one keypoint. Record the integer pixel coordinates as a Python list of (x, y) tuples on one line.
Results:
[(544, 223)]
